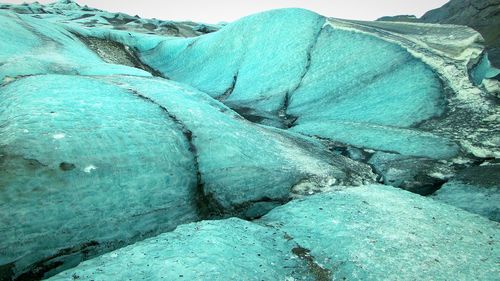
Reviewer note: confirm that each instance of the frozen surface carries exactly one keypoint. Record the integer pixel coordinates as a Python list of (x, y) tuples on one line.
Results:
[(471, 111), (419, 175), (363, 233), (67, 11), (398, 140), (83, 170), (93, 163), (240, 162), (381, 233), (484, 70), (321, 75), (229, 249), (97, 154), (34, 46)]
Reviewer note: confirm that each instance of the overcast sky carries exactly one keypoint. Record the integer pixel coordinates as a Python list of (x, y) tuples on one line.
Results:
[(214, 11)]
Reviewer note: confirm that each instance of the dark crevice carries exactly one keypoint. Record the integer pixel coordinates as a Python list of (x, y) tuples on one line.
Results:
[(332, 143), (247, 113), (135, 59), (191, 44), (206, 206), (288, 120), (229, 90), (38, 270), (242, 210), (188, 134), (428, 186), (29, 162)]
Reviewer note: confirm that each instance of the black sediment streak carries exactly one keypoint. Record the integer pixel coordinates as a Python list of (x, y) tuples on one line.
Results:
[(39, 269), (320, 273), (46, 39), (203, 202), (288, 120), (134, 57), (229, 90)]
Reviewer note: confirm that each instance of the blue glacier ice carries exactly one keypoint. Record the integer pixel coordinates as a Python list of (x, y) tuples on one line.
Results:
[(84, 170), (229, 249), (416, 174), (148, 135), (372, 232), (128, 157), (34, 46), (484, 70), (292, 64), (240, 162), (378, 232)]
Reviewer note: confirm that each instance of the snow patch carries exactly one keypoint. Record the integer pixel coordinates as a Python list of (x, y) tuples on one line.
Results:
[(89, 168)]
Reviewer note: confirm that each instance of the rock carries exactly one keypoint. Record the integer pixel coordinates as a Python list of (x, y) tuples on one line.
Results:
[(419, 175), (482, 15), (402, 18), (476, 189)]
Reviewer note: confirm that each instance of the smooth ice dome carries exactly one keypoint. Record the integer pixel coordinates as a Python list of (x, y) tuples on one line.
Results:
[(150, 149)]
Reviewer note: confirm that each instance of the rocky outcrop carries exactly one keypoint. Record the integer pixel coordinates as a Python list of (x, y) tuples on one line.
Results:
[(482, 15)]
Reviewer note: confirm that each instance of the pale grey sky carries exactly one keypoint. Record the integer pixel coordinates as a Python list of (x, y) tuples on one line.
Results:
[(214, 11)]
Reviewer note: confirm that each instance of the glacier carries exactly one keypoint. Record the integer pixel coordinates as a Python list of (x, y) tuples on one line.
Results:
[(328, 236), (249, 150)]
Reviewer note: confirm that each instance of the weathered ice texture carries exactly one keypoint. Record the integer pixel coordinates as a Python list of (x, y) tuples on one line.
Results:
[(33, 46), (362, 233), (114, 130), (323, 76), (328, 83), (67, 11), (85, 167), (102, 161), (419, 175), (381, 233), (229, 249), (240, 162)]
